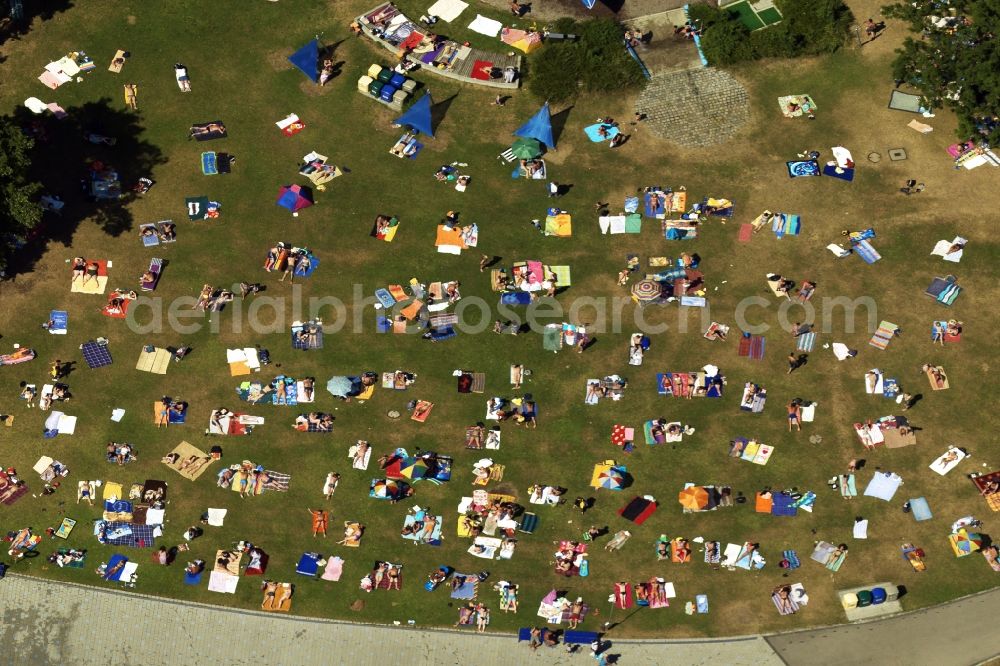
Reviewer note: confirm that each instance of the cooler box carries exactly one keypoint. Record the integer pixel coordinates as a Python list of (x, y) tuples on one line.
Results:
[(400, 96), (864, 598), (891, 592), (849, 601), (374, 71), (387, 92), (364, 82), (375, 88), (397, 79), (384, 75), (878, 596), (409, 85)]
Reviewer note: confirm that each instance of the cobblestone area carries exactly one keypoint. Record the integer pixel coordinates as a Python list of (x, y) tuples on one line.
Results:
[(696, 107)]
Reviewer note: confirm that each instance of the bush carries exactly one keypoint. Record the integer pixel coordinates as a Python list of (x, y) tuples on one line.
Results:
[(809, 27), (596, 62)]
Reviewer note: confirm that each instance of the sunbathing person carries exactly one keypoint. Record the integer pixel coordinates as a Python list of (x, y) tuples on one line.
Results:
[(205, 296), (168, 231), (205, 130), (147, 277), (93, 268), (393, 575), (682, 551), (806, 290), (430, 522), (954, 327), (219, 302), (79, 267), (783, 600)]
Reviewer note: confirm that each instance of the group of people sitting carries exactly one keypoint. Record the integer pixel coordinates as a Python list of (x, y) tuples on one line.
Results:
[(120, 452), (949, 329), (67, 557), (212, 299), (523, 410), (532, 166), (165, 231), (448, 173), (314, 421), (85, 269), (250, 479), (421, 529), (191, 465), (292, 261)]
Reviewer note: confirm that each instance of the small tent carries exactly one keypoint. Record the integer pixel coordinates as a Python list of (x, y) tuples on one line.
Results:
[(539, 126), (306, 60), (294, 197), (418, 116)]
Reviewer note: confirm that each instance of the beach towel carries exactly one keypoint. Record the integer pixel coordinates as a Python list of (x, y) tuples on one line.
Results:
[(806, 342), (923, 128), (334, 569), (942, 247), (58, 323), (883, 485), (884, 335), (786, 224), (154, 359), (87, 284), (802, 168), (745, 233), (485, 26), (447, 10), (594, 132), (948, 460), (843, 173), (867, 253)]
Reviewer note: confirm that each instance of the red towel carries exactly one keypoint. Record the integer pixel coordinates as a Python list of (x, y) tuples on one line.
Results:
[(744, 349), (746, 232), (481, 70)]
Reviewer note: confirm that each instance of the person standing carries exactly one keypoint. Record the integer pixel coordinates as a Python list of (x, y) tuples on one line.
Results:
[(554, 190)]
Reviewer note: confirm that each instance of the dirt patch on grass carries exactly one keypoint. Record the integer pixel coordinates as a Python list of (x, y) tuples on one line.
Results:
[(278, 60)]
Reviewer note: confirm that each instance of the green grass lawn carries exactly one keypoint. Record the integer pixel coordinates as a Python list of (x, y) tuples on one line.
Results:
[(240, 75)]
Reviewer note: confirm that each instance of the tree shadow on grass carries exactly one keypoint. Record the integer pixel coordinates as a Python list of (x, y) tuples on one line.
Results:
[(15, 27), (63, 159)]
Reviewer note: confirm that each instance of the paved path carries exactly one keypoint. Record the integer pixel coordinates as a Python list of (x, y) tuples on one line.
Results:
[(47, 622)]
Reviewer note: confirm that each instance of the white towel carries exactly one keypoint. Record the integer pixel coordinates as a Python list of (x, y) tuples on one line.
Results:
[(861, 529), (216, 517), (447, 10), (485, 26)]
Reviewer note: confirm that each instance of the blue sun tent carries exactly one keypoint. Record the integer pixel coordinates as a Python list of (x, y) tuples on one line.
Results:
[(539, 127), (589, 4), (306, 60), (418, 116)]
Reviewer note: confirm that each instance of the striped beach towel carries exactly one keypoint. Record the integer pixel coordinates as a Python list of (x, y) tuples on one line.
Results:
[(806, 342), (883, 336)]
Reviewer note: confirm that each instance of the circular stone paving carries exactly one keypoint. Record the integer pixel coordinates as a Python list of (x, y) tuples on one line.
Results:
[(695, 107)]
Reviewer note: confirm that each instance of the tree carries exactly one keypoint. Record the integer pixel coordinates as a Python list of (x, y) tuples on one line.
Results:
[(954, 62), (808, 27), (20, 211), (596, 62)]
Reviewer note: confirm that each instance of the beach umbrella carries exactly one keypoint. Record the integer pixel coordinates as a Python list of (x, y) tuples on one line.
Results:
[(694, 498), (610, 478), (340, 386), (385, 489), (646, 290), (526, 149), (413, 468)]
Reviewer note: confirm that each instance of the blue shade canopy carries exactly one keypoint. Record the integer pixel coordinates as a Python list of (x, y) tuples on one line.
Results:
[(589, 4), (306, 60), (539, 127), (418, 116)]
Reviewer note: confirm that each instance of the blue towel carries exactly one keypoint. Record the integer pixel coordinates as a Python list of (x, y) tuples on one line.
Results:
[(593, 132), (60, 320), (192, 579), (845, 174), (515, 298), (209, 164)]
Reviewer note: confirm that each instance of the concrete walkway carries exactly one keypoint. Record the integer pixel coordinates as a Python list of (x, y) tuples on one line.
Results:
[(46, 622)]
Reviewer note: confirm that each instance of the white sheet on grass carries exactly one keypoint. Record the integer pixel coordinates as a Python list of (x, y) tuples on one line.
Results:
[(447, 10), (486, 26), (861, 529), (216, 517), (883, 485)]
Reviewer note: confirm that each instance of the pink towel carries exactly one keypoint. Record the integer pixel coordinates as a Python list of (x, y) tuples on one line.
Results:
[(746, 231), (334, 569), (535, 272)]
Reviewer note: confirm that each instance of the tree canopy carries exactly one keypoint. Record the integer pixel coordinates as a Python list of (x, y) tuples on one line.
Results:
[(808, 27), (953, 59), (19, 207), (596, 62)]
